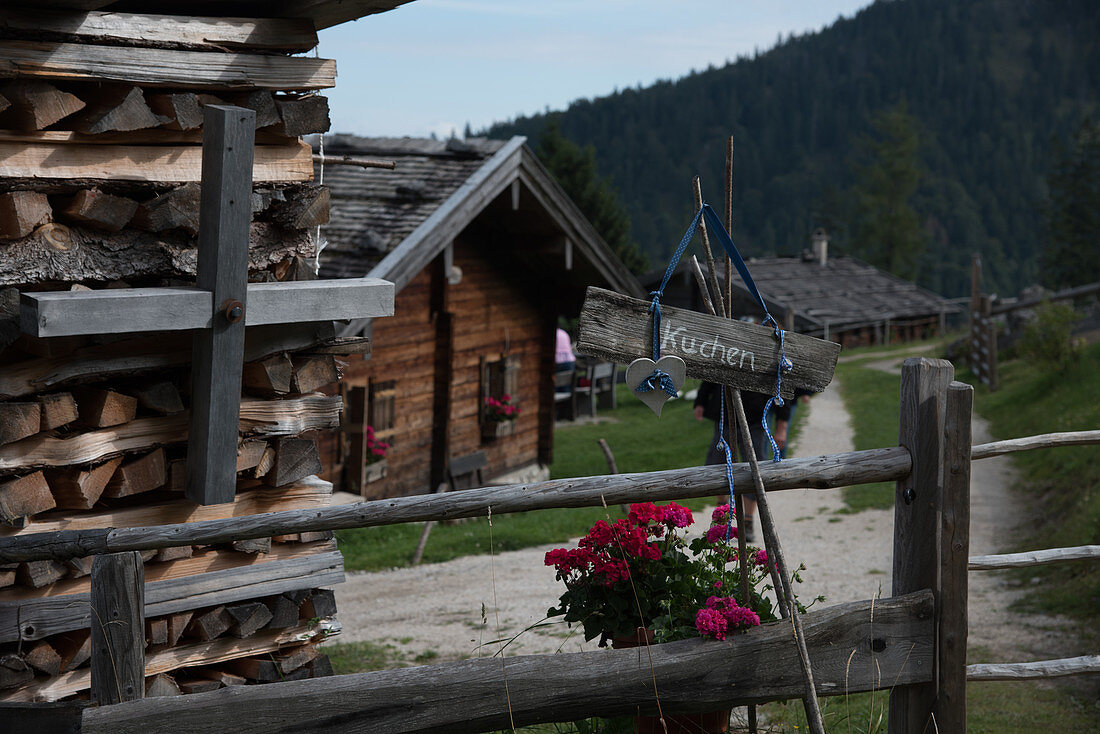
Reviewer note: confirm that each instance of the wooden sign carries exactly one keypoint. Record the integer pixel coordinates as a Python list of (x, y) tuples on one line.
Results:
[(729, 352)]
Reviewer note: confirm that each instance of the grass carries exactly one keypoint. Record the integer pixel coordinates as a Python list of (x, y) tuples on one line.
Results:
[(640, 443)]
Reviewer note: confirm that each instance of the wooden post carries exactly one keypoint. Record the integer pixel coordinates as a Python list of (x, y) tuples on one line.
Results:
[(950, 704), (118, 628), (917, 513), (989, 338), (225, 212)]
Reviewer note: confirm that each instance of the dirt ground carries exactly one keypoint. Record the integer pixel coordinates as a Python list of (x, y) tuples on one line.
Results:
[(461, 608)]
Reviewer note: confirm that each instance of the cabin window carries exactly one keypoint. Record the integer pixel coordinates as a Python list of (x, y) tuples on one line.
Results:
[(499, 380), (380, 408)]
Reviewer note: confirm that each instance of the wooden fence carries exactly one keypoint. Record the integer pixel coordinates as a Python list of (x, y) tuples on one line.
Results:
[(912, 643)]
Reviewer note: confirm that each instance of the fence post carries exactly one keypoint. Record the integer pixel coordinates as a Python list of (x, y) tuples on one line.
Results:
[(989, 336), (917, 514), (950, 706), (118, 628)]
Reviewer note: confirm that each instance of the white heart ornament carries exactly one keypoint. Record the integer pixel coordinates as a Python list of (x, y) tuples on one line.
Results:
[(641, 368)]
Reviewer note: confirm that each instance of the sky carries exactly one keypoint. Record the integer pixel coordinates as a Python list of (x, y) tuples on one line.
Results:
[(432, 66)]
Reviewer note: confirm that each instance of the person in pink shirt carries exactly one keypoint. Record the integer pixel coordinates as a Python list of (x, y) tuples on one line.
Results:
[(564, 359)]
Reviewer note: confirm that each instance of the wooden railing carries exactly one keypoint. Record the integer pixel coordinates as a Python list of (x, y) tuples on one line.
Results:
[(912, 643)]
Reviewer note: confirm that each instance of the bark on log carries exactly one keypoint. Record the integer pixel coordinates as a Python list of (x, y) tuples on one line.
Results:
[(852, 653), (73, 254)]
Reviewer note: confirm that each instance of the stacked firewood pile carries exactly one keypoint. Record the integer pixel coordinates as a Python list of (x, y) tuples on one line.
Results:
[(100, 162)]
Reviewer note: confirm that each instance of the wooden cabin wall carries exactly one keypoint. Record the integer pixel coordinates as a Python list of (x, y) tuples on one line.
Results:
[(493, 314)]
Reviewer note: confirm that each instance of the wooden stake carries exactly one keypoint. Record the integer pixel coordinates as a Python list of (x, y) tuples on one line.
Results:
[(716, 294), (118, 628)]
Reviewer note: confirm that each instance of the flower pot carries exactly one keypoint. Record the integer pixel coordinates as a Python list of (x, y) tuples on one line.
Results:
[(492, 430), (711, 722), (374, 471)]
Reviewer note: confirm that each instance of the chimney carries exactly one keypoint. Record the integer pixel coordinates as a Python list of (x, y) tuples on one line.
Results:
[(821, 246)]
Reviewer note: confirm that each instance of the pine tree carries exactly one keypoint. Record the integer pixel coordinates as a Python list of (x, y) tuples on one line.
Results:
[(1071, 253), (887, 231), (575, 170)]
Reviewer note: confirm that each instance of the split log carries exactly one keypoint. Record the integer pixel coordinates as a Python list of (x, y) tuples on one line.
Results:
[(262, 669), (160, 685), (4, 103), (851, 651), (271, 376), (180, 110), (320, 667), (13, 671), (261, 102), (19, 420), (7, 576), (161, 397), (78, 253), (43, 658), (177, 475), (198, 685), (160, 31), (21, 212), (284, 612), (221, 676), (209, 624), (37, 574), (78, 165), (255, 545), (80, 567), (175, 209), (258, 417), (97, 210), (174, 554), (116, 109), (177, 625), (247, 618), (266, 462), (315, 536), (58, 409), (320, 604), (302, 116), (104, 408), (344, 346), (156, 631), (80, 489), (313, 373), (36, 105), (164, 68), (295, 657), (309, 209), (295, 459), (25, 496), (249, 454), (141, 475), (75, 648)]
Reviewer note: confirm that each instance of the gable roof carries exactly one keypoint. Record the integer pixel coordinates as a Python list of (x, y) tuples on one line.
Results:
[(844, 291), (392, 224)]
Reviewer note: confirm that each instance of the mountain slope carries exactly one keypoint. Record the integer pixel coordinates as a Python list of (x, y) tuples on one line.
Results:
[(992, 83)]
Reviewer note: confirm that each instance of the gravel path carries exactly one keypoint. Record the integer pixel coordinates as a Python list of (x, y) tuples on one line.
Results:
[(447, 611)]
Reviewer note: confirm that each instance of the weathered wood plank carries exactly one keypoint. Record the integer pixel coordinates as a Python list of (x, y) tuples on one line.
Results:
[(145, 354), (113, 311), (33, 619), (1083, 665), (173, 658), (163, 68), (851, 653), (159, 164), (917, 505), (274, 34), (820, 472), (620, 329), (950, 705), (218, 349), (258, 417), (118, 628)]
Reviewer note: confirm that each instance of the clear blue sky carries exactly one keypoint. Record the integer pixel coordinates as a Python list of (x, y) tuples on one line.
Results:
[(434, 65)]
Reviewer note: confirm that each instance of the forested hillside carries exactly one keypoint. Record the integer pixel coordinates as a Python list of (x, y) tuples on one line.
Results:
[(989, 85)]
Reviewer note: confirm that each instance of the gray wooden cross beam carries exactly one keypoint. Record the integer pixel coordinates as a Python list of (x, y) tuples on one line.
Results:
[(218, 308)]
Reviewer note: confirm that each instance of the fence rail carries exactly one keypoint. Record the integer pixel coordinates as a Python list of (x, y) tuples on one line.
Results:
[(1029, 443), (1034, 558), (1083, 665)]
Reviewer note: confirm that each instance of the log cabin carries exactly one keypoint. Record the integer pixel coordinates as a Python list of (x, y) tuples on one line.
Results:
[(487, 252)]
